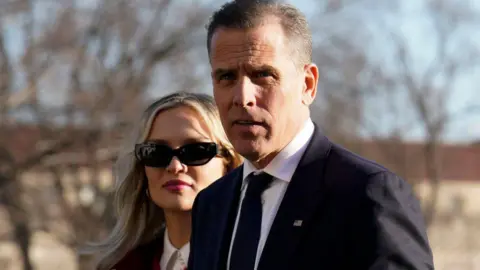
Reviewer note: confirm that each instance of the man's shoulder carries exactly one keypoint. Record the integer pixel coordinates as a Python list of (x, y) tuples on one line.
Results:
[(350, 161), (348, 170), (339, 160)]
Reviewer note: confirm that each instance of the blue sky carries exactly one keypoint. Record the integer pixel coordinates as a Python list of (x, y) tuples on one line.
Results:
[(410, 21)]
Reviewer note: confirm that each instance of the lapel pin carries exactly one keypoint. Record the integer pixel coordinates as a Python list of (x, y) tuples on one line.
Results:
[(298, 223)]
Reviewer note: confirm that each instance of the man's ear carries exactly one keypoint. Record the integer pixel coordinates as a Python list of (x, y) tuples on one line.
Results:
[(310, 85)]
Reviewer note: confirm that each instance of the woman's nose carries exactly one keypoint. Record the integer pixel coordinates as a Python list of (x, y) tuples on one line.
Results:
[(175, 166)]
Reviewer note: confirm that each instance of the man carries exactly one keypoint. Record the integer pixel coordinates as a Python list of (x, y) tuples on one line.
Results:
[(299, 201)]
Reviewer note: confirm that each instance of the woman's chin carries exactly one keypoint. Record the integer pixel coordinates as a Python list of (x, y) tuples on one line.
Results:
[(177, 204)]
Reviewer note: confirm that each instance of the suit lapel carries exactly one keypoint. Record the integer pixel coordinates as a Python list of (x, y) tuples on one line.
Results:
[(224, 214), (302, 198)]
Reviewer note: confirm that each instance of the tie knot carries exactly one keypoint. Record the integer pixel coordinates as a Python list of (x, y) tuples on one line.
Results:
[(258, 183)]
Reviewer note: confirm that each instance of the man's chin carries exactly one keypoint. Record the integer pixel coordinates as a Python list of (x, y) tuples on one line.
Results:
[(249, 149)]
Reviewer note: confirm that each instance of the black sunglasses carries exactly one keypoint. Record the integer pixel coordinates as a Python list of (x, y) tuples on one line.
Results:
[(152, 154)]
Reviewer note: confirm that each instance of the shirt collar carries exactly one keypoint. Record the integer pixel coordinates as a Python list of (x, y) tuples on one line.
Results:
[(169, 249), (284, 163)]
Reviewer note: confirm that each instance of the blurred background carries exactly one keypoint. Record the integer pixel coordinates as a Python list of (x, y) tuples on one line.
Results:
[(399, 84)]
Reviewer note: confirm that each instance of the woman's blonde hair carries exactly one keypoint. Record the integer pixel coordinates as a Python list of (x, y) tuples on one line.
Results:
[(139, 219)]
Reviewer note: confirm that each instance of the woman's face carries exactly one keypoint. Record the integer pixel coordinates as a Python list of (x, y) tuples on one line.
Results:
[(175, 187)]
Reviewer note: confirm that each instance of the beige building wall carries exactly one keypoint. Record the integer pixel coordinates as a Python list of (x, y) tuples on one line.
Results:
[(455, 232)]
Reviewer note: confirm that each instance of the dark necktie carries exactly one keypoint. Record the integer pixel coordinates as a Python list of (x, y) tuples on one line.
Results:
[(244, 249)]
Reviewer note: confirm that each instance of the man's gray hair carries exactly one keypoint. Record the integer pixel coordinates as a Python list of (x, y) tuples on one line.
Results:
[(250, 14)]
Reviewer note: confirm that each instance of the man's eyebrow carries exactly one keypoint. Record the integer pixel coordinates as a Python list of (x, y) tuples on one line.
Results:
[(260, 67), (220, 71), (265, 67)]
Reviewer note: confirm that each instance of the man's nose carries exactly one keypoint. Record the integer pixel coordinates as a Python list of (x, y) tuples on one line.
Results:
[(244, 93), (175, 166)]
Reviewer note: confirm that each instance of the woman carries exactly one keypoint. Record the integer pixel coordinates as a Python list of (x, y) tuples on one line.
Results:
[(179, 150)]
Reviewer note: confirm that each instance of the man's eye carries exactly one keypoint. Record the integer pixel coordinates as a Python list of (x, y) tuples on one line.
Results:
[(226, 76), (262, 74)]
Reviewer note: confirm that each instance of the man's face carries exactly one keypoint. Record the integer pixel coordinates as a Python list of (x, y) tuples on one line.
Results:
[(261, 93)]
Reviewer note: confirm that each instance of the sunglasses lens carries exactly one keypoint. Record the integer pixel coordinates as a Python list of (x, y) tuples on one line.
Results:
[(154, 155), (196, 154), (160, 156)]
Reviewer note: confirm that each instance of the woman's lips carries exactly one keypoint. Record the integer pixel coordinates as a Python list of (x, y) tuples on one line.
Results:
[(176, 185)]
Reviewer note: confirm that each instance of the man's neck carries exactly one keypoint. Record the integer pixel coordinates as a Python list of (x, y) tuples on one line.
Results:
[(264, 161)]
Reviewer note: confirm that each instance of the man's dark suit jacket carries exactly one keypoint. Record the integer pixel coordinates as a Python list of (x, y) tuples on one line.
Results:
[(355, 215)]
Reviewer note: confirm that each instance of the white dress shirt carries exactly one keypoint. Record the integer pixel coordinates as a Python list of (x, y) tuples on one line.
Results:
[(173, 258), (281, 168)]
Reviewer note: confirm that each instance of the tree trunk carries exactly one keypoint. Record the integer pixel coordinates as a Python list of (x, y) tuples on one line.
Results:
[(10, 198), (22, 237), (432, 170)]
